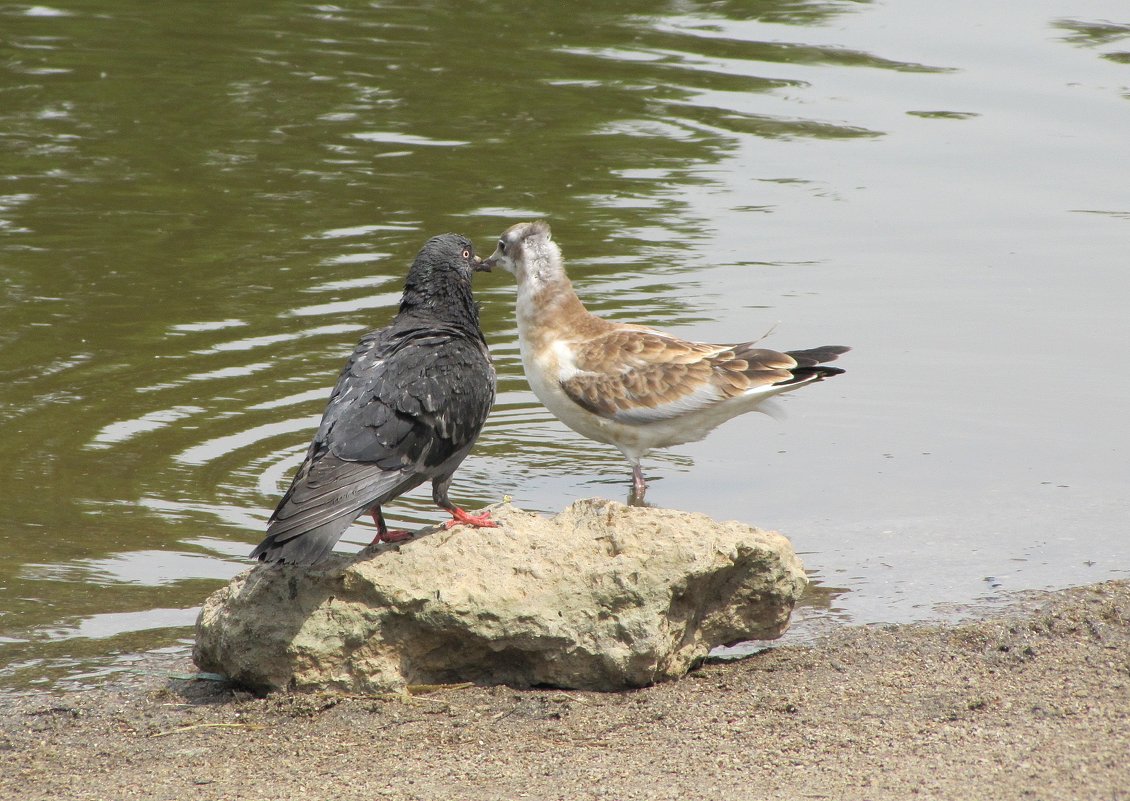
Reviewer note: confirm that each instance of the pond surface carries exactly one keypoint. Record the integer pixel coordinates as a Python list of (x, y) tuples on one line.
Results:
[(202, 207)]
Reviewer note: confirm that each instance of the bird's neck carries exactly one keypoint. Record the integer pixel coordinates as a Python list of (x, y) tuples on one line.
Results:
[(449, 302), (547, 305)]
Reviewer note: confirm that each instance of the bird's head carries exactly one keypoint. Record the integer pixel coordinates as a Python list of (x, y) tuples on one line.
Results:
[(524, 249), (444, 258), (441, 273)]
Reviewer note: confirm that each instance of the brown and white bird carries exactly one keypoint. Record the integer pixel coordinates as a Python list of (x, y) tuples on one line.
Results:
[(629, 385)]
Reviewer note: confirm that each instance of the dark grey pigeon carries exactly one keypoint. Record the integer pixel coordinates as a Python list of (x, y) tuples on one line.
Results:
[(407, 408)]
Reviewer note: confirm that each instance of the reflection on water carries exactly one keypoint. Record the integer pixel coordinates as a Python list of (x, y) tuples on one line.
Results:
[(203, 207)]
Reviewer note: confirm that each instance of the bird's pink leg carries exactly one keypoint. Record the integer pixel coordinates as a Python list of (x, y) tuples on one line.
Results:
[(478, 521), (638, 484), (384, 534)]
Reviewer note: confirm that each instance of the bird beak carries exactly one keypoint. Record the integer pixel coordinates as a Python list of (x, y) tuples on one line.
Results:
[(482, 265)]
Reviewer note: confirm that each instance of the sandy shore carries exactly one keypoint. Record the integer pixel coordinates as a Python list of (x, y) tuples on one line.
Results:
[(1033, 704)]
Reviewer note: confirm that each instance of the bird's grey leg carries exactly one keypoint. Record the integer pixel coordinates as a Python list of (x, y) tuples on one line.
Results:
[(440, 486), (384, 534)]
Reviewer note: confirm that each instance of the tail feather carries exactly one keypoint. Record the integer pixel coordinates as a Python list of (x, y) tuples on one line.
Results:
[(811, 363), (814, 356), (324, 499), (306, 547)]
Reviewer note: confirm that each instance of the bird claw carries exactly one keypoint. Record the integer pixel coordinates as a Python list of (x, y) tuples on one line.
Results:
[(479, 521), (392, 535)]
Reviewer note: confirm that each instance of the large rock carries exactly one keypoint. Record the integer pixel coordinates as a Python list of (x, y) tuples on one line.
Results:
[(603, 596)]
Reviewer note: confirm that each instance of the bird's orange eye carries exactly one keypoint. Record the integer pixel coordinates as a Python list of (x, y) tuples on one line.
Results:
[(466, 254)]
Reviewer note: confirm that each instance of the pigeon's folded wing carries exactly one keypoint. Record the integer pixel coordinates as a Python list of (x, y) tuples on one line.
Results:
[(405, 402), (426, 398)]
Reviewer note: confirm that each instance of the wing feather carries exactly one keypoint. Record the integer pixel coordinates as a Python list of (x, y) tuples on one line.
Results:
[(406, 408), (637, 375)]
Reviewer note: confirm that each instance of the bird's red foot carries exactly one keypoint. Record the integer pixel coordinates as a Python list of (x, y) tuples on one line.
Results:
[(479, 521), (392, 535)]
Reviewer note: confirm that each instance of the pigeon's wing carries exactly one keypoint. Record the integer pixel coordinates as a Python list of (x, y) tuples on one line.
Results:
[(637, 375), (405, 403), (324, 498), (424, 401), (328, 492)]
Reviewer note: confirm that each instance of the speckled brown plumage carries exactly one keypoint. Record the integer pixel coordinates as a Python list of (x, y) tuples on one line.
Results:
[(628, 385)]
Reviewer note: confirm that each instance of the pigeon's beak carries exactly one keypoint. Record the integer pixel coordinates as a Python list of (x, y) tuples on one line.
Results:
[(484, 265)]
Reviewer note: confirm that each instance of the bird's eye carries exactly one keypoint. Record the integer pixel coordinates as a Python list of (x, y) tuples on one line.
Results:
[(502, 245), (466, 254)]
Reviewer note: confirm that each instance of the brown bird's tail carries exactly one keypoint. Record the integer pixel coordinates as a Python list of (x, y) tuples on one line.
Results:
[(811, 363)]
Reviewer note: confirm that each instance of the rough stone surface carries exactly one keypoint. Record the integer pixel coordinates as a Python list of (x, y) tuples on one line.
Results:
[(601, 597)]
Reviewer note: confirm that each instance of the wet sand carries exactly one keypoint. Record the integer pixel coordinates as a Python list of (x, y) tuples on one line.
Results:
[(1031, 704)]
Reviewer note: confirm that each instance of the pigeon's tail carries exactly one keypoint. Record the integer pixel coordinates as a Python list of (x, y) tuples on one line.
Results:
[(303, 547), (810, 363), (326, 496)]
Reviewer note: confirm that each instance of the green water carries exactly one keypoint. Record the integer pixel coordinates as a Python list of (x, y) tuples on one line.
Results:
[(203, 205)]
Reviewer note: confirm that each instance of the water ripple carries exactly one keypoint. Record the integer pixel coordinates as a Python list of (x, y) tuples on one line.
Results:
[(250, 343), (310, 395), (212, 449), (212, 325), (363, 230), (345, 306), (45, 11), (390, 137), (124, 430)]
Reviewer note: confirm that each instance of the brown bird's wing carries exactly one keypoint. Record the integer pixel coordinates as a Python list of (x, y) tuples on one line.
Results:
[(637, 375)]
